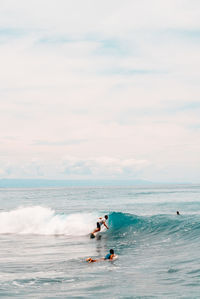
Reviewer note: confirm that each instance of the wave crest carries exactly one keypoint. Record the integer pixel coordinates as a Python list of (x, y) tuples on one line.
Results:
[(187, 226), (44, 221)]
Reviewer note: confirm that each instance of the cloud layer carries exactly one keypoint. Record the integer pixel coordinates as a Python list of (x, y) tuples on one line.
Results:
[(113, 85)]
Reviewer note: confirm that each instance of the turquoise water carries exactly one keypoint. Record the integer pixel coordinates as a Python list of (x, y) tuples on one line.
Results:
[(44, 237)]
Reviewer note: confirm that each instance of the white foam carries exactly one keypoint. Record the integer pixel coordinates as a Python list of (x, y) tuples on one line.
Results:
[(44, 221)]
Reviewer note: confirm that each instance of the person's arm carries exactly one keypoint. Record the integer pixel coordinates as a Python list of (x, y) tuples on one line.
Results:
[(105, 225), (112, 256)]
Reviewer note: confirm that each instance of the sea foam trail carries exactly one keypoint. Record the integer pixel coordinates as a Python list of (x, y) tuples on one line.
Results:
[(44, 221)]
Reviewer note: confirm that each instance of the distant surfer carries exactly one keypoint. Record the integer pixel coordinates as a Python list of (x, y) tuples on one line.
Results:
[(177, 212), (101, 221), (110, 256)]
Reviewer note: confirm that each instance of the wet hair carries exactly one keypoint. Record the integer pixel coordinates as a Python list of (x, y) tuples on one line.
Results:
[(111, 251), (177, 212), (106, 216)]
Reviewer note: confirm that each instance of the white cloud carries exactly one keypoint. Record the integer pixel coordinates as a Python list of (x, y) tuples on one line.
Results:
[(73, 167), (104, 166)]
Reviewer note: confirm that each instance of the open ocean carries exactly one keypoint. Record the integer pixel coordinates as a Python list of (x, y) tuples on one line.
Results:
[(44, 241)]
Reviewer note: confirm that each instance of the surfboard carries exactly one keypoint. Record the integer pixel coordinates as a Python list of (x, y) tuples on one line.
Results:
[(95, 235), (114, 259), (98, 234)]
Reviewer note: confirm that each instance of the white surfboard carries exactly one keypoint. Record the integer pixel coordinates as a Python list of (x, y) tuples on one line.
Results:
[(97, 235), (114, 259)]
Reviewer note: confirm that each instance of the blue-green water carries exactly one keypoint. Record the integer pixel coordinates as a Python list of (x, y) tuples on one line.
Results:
[(44, 241)]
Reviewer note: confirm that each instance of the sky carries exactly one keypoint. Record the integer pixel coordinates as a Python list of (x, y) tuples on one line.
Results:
[(100, 89)]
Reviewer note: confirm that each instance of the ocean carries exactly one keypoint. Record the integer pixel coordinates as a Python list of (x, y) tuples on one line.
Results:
[(44, 241)]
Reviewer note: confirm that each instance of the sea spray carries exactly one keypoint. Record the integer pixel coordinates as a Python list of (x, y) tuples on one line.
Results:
[(44, 221)]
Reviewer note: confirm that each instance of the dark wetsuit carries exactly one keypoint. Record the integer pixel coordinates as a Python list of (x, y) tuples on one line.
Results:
[(100, 222)]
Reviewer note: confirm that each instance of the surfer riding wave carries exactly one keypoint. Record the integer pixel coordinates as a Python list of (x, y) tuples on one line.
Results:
[(101, 221)]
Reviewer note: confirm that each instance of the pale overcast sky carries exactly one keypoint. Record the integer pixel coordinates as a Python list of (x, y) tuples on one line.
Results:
[(100, 89)]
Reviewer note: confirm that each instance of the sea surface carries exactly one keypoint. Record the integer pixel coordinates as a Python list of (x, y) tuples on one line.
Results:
[(44, 241)]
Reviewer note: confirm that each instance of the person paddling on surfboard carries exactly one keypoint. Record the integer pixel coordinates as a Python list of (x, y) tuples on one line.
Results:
[(110, 256), (101, 221)]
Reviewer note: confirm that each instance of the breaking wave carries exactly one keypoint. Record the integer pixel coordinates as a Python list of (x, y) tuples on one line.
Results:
[(45, 221)]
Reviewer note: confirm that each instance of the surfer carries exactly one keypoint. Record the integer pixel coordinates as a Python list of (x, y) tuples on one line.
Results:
[(177, 212), (110, 256), (101, 221)]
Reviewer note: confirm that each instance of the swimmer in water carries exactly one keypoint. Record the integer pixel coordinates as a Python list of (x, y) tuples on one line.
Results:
[(177, 212), (110, 256)]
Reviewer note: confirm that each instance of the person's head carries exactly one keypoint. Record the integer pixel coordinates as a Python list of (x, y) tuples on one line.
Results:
[(177, 212), (106, 217), (111, 251)]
